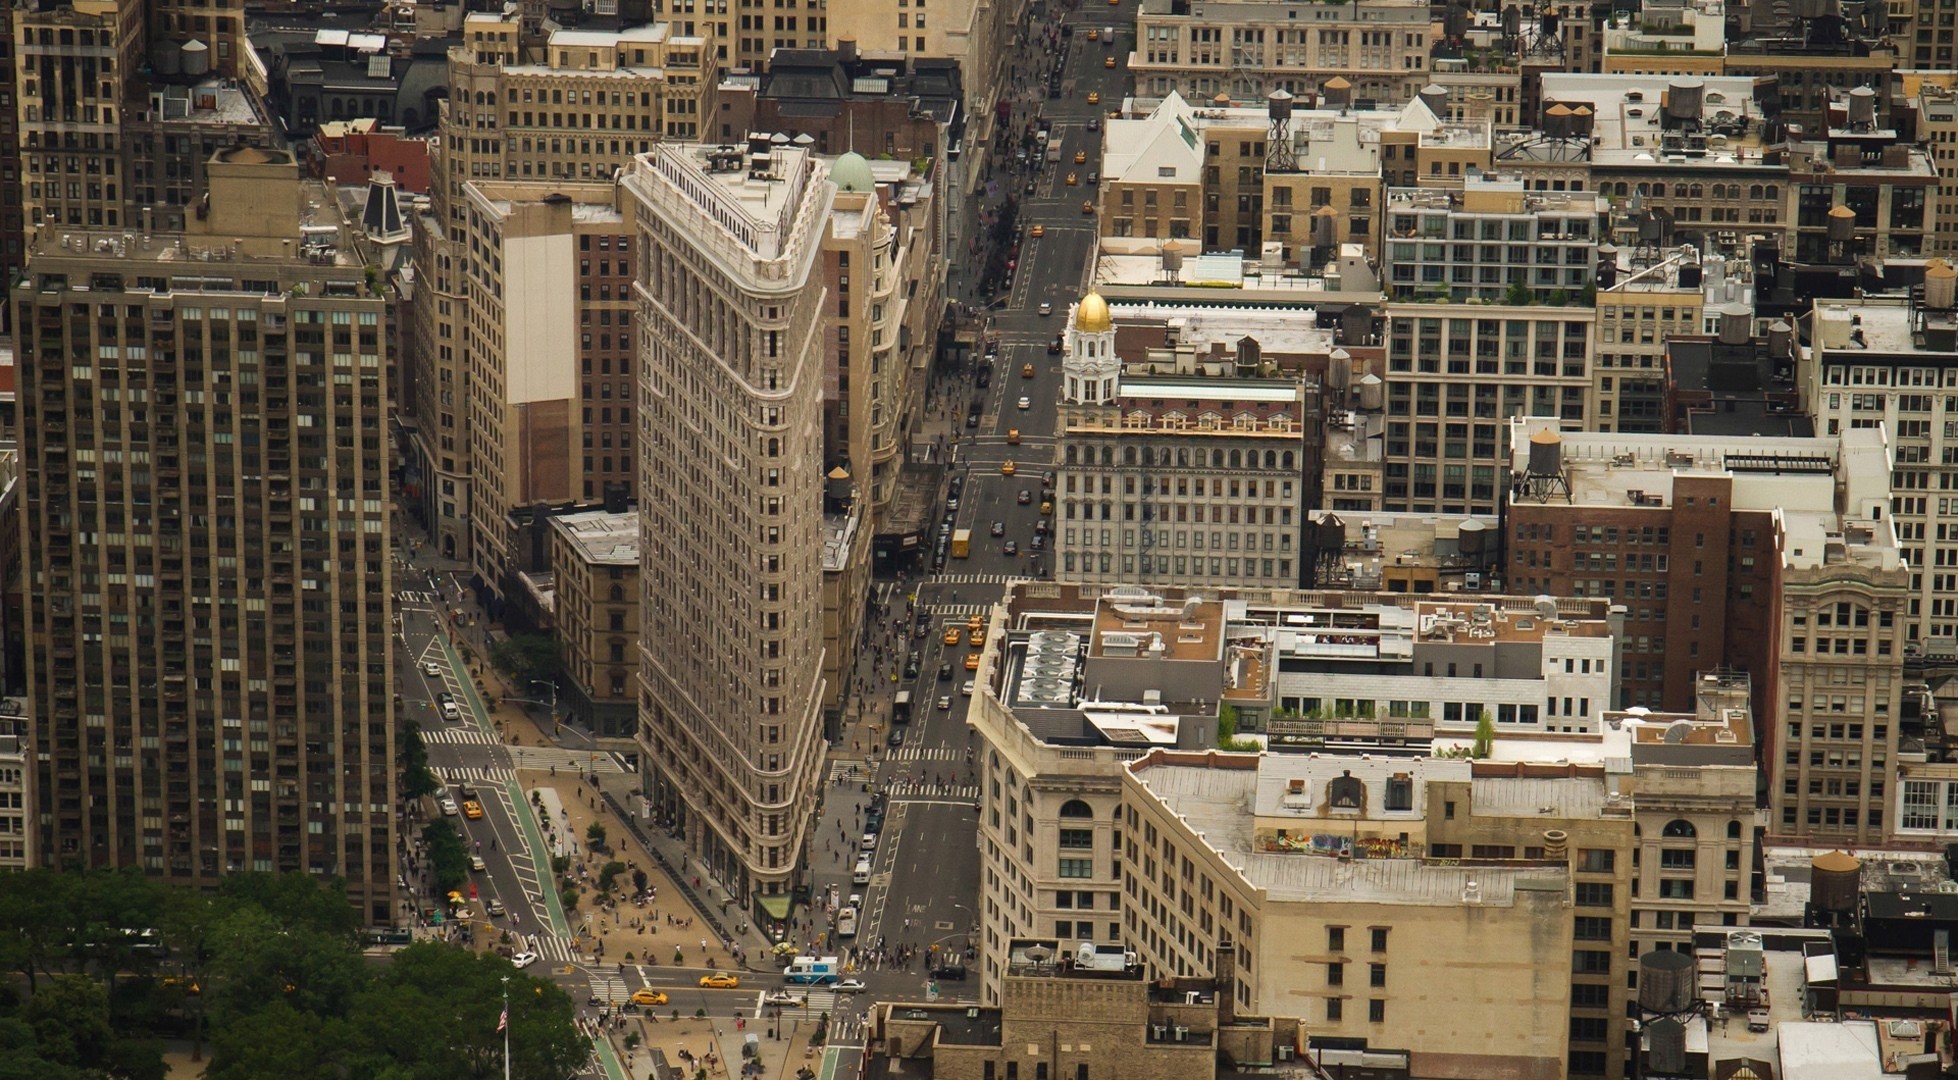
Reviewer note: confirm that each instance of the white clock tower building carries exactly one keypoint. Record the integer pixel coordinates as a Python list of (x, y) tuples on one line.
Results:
[(1090, 371)]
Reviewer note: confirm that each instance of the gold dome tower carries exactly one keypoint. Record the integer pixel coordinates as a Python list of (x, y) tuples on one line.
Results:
[(1091, 315)]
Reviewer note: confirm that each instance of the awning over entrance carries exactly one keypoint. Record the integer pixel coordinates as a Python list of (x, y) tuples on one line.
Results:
[(776, 907)]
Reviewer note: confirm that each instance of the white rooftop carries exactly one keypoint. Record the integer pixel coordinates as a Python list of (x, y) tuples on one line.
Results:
[(1218, 803), (1796, 478), (600, 537)]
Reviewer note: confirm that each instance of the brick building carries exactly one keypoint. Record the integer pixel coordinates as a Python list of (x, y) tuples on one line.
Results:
[(595, 604), (1773, 556)]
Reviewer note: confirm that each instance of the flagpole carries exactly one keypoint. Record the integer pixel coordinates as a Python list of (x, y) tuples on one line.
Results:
[(506, 1027)]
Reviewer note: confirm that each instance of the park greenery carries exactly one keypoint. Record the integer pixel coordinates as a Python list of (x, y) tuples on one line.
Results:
[(263, 977)]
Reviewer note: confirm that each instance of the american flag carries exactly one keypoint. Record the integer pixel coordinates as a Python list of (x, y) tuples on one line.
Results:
[(503, 1021)]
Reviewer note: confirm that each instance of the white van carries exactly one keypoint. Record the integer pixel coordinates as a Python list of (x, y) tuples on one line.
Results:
[(846, 923), (861, 875)]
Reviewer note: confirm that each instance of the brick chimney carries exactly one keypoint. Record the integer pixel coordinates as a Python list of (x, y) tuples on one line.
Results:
[(1226, 976)]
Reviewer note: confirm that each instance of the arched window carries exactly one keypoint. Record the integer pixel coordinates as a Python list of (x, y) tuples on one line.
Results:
[(1271, 459), (1679, 829), (1733, 830), (1075, 808), (1286, 460), (1071, 453), (1237, 459), (618, 594), (1128, 455)]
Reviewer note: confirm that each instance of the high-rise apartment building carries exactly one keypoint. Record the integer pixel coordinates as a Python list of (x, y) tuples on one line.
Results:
[(1183, 477), (730, 367), (577, 114), (1455, 374), (1888, 362), (547, 340), (73, 78), (1491, 241), (1248, 48), (205, 534)]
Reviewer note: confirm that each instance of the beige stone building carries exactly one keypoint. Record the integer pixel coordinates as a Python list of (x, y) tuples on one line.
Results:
[(1088, 1012), (1245, 49), (1211, 174), (1168, 669), (730, 366), (211, 657), (1642, 304), (17, 798), (882, 262), (595, 591), (1242, 853), (1692, 791), (74, 67)]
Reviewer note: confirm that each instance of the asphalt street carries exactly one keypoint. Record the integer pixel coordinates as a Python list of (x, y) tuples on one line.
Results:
[(925, 867)]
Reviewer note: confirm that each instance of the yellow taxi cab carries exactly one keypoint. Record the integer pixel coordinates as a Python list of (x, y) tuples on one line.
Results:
[(1072, 179), (979, 638), (1080, 157), (1107, 62), (1087, 206), (1013, 436), (1094, 35), (1046, 506), (720, 980), (1094, 97), (1037, 231), (1007, 468), (646, 995), (972, 661), (951, 635), (472, 809), (1026, 371), (974, 622)]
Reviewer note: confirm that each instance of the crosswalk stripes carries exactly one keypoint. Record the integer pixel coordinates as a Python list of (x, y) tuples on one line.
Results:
[(926, 753), (557, 950), (950, 610), (970, 579), (609, 989), (465, 736), (905, 789), (480, 775), (409, 596)]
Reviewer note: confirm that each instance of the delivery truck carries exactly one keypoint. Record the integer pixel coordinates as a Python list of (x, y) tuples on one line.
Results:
[(812, 970)]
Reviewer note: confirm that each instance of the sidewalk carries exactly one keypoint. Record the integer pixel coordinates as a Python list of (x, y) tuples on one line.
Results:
[(780, 1053)]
